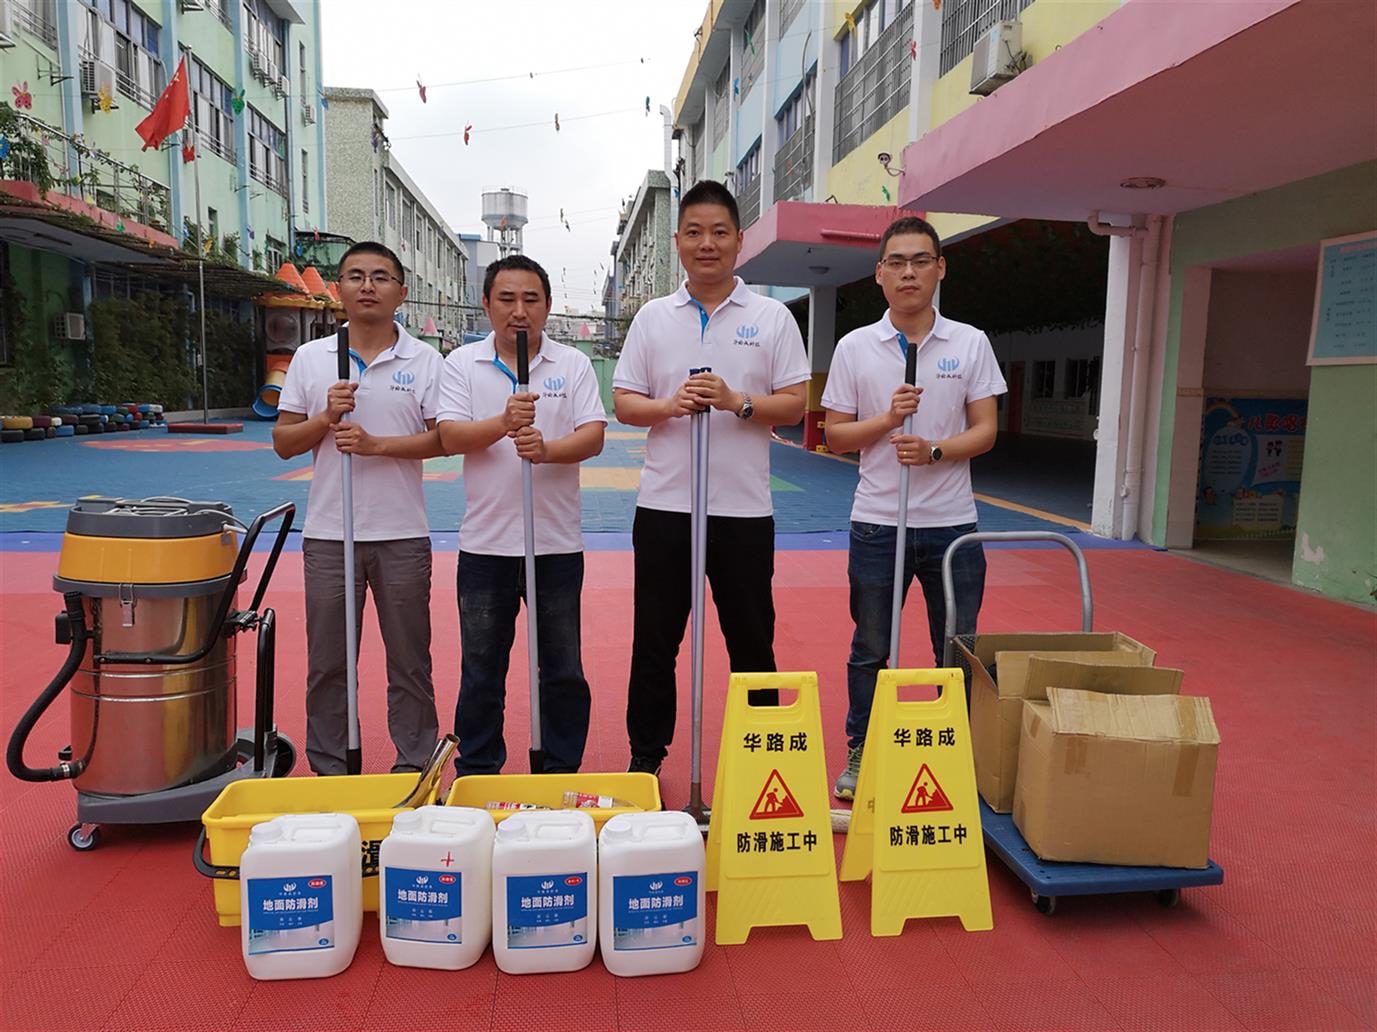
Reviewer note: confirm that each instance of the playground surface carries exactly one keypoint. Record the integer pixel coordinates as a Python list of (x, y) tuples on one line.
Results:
[(125, 937)]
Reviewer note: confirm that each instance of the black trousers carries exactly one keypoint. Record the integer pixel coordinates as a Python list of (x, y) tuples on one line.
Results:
[(740, 569)]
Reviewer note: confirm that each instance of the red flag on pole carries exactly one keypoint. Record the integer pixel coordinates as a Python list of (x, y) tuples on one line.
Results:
[(169, 113)]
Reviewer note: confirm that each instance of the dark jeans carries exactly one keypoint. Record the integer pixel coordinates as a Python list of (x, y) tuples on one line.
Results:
[(491, 588), (870, 571), (740, 569)]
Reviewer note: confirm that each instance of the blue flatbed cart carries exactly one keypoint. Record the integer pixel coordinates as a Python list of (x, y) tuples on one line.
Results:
[(1047, 880)]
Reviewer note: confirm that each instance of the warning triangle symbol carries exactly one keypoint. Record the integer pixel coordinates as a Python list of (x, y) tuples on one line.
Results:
[(775, 800), (926, 795)]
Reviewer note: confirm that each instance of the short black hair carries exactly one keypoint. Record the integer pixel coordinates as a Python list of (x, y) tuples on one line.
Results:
[(911, 224), (373, 247), (519, 262), (710, 191)]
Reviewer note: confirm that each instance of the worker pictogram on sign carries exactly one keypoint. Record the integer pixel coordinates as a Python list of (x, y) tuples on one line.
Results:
[(926, 795), (775, 801)]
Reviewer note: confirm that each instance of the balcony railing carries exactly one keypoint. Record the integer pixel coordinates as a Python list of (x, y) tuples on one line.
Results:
[(794, 163), (74, 168), (876, 88), (34, 22), (749, 202)]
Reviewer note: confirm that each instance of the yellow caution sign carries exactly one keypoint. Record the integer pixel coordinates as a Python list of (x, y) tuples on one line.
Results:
[(770, 857), (916, 820)]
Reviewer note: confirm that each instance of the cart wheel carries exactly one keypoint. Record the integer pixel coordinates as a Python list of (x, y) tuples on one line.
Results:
[(285, 759), (1045, 904), (83, 840), (1167, 897)]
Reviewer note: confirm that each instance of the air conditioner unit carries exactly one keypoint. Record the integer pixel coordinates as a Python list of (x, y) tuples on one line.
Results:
[(283, 86), (69, 326), (997, 58), (256, 63), (192, 5), (88, 77), (308, 114), (8, 34)]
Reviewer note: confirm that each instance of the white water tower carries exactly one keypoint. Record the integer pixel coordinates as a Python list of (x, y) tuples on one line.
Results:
[(504, 213)]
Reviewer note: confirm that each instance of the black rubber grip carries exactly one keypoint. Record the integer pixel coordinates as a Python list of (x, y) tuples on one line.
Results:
[(523, 358), (342, 336)]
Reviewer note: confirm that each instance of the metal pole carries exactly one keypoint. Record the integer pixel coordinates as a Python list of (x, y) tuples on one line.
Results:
[(896, 612), (698, 564), (201, 274), (354, 753), (523, 384)]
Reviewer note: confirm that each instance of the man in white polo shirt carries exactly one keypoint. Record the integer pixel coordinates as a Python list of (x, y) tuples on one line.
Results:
[(758, 379), (866, 402), (556, 424), (391, 428)]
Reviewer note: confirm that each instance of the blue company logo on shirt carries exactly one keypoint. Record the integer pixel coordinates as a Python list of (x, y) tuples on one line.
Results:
[(554, 387), (746, 335), (402, 381), (947, 368)]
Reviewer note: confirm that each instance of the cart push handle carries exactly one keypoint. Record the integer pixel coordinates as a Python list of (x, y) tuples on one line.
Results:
[(949, 585)]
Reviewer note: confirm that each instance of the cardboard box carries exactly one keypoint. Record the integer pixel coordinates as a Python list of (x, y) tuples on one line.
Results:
[(997, 702), (1117, 779)]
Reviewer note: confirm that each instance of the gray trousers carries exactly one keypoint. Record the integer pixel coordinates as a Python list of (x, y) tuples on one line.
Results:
[(399, 574)]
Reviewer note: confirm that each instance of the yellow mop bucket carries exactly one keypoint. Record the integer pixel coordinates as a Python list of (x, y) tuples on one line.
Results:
[(638, 791), (371, 799)]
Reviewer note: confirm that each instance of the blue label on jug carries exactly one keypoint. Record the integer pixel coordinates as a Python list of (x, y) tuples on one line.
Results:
[(423, 906), (655, 911), (289, 915), (547, 910)]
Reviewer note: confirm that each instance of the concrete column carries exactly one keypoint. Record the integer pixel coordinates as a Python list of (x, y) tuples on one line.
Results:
[(1190, 408), (1116, 369), (71, 19), (822, 342), (241, 139), (1161, 405), (769, 135), (927, 31), (824, 118)]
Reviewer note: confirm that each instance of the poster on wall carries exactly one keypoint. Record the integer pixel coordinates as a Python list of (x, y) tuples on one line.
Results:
[(1251, 451), (1343, 330)]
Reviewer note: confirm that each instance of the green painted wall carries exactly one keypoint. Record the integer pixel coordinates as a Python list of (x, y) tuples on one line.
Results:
[(1336, 535), (1338, 499)]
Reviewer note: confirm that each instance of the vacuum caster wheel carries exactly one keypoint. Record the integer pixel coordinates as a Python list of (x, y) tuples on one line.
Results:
[(1045, 904), (1167, 897), (84, 837)]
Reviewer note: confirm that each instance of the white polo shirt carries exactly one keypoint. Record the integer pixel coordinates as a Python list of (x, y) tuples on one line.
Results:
[(956, 366), (398, 392), (475, 386), (753, 343)]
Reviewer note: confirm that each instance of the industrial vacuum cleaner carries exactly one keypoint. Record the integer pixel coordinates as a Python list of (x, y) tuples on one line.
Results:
[(149, 588)]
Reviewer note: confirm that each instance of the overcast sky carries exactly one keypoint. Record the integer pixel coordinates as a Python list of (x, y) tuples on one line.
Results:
[(587, 168)]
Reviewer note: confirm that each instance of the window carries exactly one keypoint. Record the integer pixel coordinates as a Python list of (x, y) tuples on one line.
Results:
[(213, 217), (1045, 378), (797, 108), (267, 152), (305, 183), (274, 253), (212, 110), (132, 48), (1083, 379), (752, 47), (719, 106), (408, 219), (391, 206), (876, 72), (965, 21), (749, 167), (301, 62)]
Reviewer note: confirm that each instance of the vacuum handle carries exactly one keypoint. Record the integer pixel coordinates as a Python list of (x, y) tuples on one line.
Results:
[(342, 349), (287, 510), (910, 361), (523, 360)]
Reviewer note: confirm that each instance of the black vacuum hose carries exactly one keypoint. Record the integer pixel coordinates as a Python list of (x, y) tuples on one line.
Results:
[(14, 755)]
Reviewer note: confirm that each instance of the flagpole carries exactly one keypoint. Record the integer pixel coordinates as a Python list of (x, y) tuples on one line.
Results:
[(201, 273)]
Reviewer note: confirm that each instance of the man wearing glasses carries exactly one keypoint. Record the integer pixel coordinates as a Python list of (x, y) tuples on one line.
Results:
[(391, 403), (867, 401)]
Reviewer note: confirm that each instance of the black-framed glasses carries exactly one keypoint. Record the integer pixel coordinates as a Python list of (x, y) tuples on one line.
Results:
[(899, 262), (378, 279)]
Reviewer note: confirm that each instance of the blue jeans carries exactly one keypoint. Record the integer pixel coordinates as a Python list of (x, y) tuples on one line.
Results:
[(491, 588), (870, 570)]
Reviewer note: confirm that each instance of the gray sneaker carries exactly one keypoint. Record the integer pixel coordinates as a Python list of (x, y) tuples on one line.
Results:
[(845, 788)]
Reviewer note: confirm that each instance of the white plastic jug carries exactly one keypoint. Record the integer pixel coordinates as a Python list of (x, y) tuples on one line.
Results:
[(650, 883), (301, 895), (434, 900), (544, 892)]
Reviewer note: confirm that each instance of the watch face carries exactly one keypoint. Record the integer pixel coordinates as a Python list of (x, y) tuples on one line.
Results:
[(936, 454)]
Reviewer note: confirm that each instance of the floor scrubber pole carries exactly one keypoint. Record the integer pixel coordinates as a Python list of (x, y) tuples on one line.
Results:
[(523, 384), (353, 757), (698, 562), (901, 530)]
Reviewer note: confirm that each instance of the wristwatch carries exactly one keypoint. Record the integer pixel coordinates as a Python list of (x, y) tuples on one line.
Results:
[(936, 454), (747, 407)]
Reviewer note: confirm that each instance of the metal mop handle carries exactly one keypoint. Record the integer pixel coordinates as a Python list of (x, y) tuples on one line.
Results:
[(901, 531), (353, 757), (523, 384), (698, 561)]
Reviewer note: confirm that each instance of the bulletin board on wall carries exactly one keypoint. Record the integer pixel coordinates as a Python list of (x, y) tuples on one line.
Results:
[(1251, 451), (1344, 328)]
